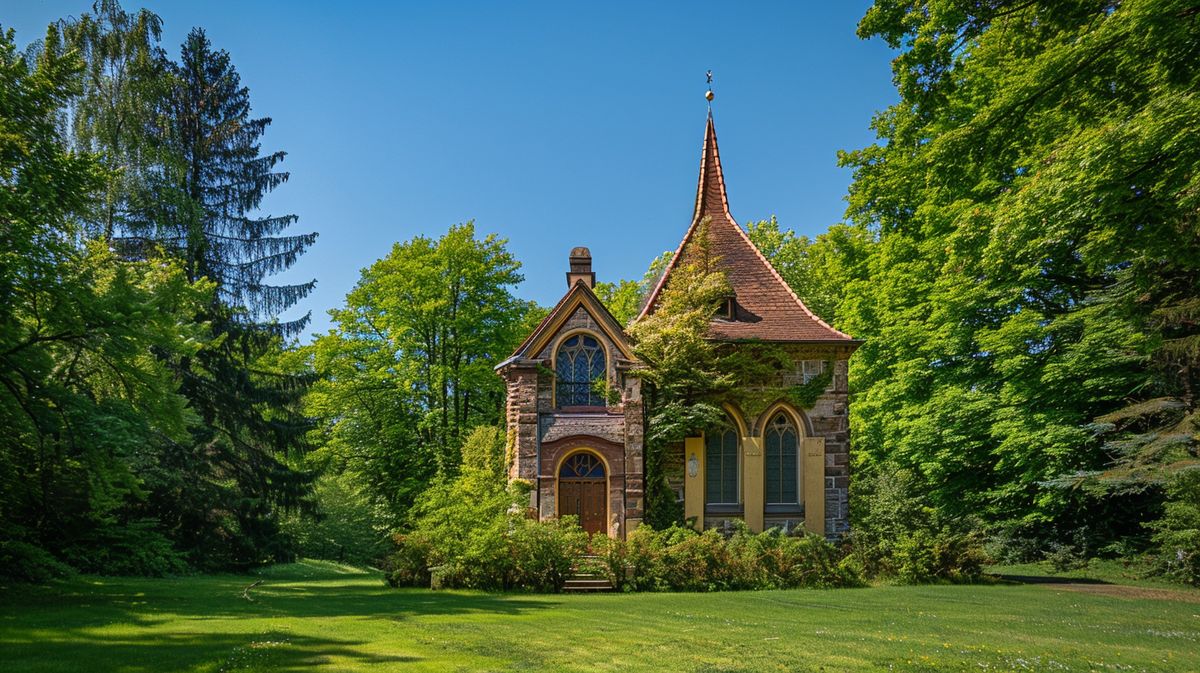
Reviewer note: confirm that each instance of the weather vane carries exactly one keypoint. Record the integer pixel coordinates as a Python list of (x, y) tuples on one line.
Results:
[(708, 95)]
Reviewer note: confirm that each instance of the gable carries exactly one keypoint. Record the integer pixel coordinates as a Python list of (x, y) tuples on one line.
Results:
[(579, 309)]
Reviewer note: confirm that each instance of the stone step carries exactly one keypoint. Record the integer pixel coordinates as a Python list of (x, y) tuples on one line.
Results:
[(578, 584)]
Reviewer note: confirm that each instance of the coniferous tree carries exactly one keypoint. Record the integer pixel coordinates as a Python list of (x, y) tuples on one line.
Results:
[(240, 467), (225, 177), (186, 178)]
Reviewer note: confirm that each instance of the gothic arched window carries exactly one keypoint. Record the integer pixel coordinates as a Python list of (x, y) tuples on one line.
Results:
[(782, 462), (721, 467), (580, 372)]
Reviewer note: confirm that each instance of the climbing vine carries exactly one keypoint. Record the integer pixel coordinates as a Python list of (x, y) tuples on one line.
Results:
[(755, 368), (689, 376)]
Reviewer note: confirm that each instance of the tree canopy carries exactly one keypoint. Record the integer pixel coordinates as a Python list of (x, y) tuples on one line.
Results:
[(1029, 290), (407, 370)]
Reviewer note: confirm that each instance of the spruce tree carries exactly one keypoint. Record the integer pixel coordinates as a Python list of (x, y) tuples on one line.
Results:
[(225, 177), (239, 471)]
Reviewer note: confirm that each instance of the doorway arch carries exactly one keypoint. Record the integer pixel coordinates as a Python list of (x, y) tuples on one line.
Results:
[(583, 490)]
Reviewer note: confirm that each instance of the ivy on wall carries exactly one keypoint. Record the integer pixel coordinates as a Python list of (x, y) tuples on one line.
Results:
[(690, 376), (755, 368)]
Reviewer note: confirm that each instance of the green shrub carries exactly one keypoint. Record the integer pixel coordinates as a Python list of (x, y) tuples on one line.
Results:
[(644, 551), (1177, 533), (695, 561), (544, 553), (135, 548), (613, 559), (24, 562), (680, 559), (894, 535), (507, 552), (926, 556), (752, 559), (794, 561), (408, 565)]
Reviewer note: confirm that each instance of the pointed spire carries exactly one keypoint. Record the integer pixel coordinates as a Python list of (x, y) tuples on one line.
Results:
[(711, 200), (765, 308)]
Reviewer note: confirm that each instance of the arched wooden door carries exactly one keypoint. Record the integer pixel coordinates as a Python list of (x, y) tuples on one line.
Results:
[(583, 491)]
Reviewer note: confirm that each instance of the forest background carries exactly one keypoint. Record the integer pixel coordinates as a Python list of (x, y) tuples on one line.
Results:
[(1020, 254)]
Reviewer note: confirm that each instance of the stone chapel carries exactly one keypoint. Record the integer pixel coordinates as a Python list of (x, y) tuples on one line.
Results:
[(582, 450)]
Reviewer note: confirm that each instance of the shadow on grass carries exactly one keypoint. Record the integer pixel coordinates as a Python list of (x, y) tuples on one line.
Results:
[(1047, 579), (226, 652), (147, 624)]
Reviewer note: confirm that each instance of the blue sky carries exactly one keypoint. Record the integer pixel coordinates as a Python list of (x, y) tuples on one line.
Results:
[(552, 124)]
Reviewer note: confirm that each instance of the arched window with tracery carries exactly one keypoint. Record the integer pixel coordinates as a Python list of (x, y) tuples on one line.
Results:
[(782, 469), (579, 368), (721, 467)]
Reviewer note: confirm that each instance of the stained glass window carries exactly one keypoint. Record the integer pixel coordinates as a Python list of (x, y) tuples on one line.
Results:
[(782, 458), (721, 467), (582, 466), (580, 363)]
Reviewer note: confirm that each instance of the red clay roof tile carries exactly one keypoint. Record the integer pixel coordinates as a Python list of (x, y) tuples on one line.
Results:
[(766, 307)]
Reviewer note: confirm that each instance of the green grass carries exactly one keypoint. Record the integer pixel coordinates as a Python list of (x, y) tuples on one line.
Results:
[(1135, 572), (321, 617)]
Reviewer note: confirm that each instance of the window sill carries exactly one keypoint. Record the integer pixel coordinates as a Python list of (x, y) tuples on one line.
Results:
[(723, 510), (785, 510)]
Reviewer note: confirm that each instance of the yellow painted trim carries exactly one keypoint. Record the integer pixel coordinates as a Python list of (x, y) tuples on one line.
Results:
[(798, 421), (564, 314), (608, 508), (693, 487), (738, 420), (814, 484), (753, 480)]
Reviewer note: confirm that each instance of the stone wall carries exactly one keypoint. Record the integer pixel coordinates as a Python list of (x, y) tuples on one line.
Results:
[(541, 435), (521, 414), (618, 434), (828, 417)]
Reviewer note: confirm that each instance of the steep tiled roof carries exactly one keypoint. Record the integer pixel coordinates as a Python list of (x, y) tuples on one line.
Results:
[(766, 308)]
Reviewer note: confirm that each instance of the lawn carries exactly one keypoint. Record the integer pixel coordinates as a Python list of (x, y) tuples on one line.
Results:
[(320, 617)]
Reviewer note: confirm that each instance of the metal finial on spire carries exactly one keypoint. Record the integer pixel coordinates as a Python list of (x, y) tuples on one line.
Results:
[(708, 95)]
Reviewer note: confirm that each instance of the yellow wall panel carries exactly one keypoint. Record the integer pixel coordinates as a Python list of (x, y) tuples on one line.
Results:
[(752, 482), (814, 484), (693, 480)]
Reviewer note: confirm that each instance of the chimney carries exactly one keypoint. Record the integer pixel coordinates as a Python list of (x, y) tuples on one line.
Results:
[(581, 268)]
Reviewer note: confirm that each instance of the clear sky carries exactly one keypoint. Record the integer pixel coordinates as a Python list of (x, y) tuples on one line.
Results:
[(552, 124)]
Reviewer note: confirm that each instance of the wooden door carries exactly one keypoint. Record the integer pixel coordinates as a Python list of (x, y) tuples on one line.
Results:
[(585, 499), (583, 491)]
